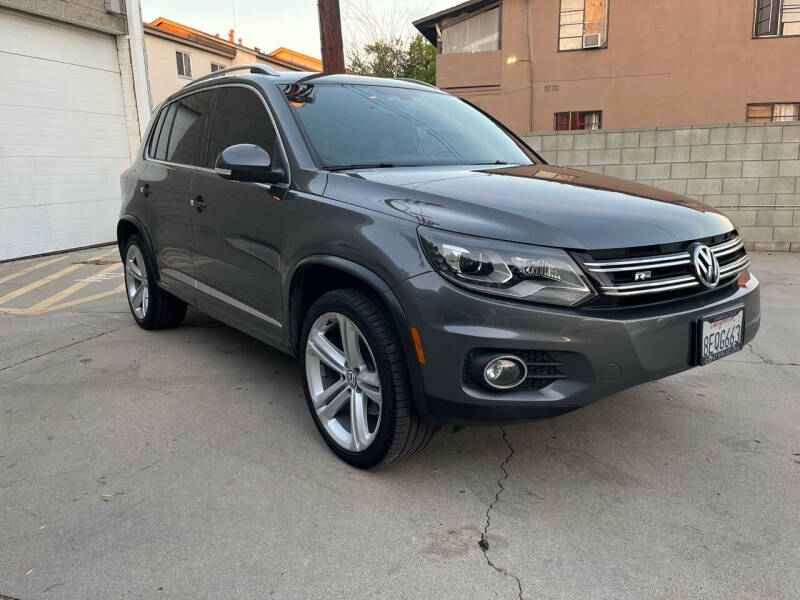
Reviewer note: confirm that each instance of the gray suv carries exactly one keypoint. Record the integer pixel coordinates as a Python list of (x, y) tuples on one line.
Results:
[(422, 262)]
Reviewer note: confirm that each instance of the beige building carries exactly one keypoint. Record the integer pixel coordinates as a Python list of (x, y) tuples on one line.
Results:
[(176, 54), (541, 65)]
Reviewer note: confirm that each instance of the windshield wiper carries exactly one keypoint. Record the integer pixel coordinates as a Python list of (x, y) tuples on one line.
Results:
[(383, 165)]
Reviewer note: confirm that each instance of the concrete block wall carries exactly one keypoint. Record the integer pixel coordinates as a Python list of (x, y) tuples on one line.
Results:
[(749, 171)]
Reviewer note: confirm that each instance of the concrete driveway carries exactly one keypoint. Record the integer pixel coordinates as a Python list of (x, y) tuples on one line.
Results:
[(184, 464)]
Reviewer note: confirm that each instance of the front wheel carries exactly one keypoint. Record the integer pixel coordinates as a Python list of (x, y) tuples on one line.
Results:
[(356, 381)]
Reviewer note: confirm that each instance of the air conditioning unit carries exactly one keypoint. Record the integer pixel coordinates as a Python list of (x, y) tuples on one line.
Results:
[(593, 40)]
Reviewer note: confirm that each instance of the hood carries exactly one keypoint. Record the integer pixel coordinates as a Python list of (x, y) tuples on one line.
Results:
[(536, 204)]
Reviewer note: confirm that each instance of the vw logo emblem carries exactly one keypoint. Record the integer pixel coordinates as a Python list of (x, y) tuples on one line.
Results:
[(350, 377), (705, 264)]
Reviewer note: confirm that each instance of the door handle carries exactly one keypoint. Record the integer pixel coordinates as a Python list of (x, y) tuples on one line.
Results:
[(145, 189), (199, 203)]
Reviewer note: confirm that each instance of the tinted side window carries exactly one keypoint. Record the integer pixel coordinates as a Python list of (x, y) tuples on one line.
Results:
[(240, 118), (186, 139), (163, 133), (151, 148)]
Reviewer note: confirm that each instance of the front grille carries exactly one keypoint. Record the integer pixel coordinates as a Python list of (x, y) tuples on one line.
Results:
[(543, 369), (637, 276)]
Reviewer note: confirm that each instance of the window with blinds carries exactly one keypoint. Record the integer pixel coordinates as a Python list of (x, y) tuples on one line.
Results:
[(770, 112), (473, 33), (578, 120)]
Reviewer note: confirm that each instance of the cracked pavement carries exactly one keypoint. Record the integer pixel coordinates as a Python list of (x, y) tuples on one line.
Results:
[(184, 464)]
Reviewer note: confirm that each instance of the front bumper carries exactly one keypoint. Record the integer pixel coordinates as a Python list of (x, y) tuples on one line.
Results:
[(603, 350)]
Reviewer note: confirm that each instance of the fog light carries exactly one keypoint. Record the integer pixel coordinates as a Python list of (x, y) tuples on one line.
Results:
[(504, 372)]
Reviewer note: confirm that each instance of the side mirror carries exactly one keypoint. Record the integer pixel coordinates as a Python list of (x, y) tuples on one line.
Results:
[(248, 162)]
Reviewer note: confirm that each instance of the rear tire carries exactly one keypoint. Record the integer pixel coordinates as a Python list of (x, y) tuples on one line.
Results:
[(354, 372), (151, 307)]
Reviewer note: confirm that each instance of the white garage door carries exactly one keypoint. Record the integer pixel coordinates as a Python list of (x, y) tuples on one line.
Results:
[(63, 140)]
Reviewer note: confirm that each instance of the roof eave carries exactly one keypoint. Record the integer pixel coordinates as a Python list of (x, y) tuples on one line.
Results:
[(427, 25)]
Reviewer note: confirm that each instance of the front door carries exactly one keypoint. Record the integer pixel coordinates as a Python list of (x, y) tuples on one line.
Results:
[(236, 225), (175, 153)]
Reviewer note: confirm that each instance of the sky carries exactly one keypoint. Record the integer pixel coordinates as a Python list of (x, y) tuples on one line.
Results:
[(270, 24)]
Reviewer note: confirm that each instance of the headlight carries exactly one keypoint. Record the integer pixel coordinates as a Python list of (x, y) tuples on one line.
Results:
[(518, 271)]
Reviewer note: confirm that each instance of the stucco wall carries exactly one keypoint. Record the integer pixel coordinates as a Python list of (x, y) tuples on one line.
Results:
[(164, 78), (751, 172), (667, 63), (162, 68)]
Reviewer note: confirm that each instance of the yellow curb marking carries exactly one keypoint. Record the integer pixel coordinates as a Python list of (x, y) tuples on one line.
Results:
[(32, 268), (43, 311), (45, 280), (116, 290), (71, 289)]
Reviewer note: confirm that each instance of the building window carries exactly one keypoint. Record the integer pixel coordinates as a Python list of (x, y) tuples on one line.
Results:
[(184, 63), (472, 33), (776, 18), (215, 67), (773, 112), (583, 24), (578, 120)]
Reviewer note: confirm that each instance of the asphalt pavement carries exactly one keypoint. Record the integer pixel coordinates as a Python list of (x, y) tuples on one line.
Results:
[(184, 464)]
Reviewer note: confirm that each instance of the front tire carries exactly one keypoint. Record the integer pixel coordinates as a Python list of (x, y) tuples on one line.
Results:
[(356, 381), (151, 307)]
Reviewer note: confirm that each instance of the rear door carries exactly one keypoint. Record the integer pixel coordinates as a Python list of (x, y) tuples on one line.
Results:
[(236, 233), (175, 151)]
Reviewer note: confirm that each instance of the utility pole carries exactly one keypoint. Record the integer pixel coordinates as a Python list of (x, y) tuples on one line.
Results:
[(330, 34)]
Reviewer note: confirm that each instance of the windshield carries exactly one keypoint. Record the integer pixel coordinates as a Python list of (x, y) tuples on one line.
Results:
[(352, 126)]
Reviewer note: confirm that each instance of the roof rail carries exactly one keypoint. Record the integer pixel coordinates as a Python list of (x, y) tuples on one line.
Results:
[(411, 80), (252, 68)]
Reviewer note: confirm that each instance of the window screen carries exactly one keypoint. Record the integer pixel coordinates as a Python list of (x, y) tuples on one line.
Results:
[(478, 33), (186, 139), (240, 118), (184, 63), (767, 17)]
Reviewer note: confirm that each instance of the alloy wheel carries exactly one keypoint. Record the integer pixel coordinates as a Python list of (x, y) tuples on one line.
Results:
[(343, 381), (136, 282)]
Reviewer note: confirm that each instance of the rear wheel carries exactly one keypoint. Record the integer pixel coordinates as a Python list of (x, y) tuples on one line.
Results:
[(356, 381), (151, 307)]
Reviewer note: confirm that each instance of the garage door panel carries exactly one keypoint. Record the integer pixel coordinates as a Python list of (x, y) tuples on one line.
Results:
[(99, 90), (63, 136), (55, 41), (61, 193), (66, 165), (75, 123)]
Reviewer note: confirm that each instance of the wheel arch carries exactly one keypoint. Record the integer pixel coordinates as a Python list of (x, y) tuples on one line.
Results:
[(320, 273), (129, 225)]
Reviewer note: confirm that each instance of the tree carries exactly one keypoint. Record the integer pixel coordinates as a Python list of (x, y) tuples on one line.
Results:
[(395, 58), (380, 40)]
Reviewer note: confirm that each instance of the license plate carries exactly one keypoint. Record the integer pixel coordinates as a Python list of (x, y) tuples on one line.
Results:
[(720, 336)]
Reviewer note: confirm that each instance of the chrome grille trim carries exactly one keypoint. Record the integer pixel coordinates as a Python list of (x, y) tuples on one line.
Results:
[(657, 262), (605, 272), (650, 284), (669, 288), (735, 267)]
